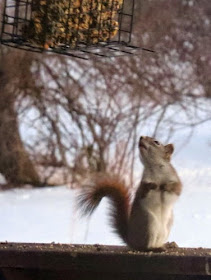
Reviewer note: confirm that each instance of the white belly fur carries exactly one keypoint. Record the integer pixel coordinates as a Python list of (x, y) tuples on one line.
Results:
[(156, 209)]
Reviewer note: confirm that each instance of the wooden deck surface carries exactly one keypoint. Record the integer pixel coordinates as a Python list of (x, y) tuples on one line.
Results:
[(63, 261)]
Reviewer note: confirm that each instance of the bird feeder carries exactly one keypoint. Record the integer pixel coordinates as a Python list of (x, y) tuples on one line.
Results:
[(69, 27)]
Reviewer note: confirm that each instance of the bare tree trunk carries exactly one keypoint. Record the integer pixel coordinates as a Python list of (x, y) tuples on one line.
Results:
[(15, 163)]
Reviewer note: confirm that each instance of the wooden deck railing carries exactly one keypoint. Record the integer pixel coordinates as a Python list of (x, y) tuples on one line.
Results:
[(61, 261)]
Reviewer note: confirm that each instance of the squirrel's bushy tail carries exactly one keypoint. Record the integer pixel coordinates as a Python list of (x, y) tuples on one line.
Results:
[(113, 188)]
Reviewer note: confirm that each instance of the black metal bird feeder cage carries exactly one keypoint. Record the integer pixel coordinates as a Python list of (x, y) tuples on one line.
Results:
[(69, 27)]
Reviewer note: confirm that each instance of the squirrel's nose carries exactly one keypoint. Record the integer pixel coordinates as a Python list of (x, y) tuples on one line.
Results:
[(141, 138)]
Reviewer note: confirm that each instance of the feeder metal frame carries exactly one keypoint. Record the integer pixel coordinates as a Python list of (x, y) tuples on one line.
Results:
[(19, 13)]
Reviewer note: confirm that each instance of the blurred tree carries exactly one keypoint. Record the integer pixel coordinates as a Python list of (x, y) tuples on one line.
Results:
[(15, 162), (84, 116), (179, 31)]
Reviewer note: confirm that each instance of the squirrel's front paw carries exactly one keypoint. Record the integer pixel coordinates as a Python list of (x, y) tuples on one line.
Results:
[(171, 245), (157, 250)]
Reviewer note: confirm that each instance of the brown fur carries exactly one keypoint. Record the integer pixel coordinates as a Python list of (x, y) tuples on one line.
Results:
[(174, 187), (145, 188), (115, 189)]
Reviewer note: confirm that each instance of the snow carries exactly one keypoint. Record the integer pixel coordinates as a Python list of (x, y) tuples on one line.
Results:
[(49, 214)]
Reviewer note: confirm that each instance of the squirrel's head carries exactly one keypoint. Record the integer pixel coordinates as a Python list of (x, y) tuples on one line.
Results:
[(152, 151)]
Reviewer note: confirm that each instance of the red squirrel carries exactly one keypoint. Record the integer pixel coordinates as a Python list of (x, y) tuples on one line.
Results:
[(144, 224)]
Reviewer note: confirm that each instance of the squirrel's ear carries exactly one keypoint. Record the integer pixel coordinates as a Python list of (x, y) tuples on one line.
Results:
[(169, 149)]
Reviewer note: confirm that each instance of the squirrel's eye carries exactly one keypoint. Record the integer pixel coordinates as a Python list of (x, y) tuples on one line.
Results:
[(156, 142)]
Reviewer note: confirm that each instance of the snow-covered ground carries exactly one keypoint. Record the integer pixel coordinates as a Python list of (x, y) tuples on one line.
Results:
[(49, 215)]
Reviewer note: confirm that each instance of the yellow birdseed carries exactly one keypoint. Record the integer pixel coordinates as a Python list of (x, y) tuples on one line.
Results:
[(65, 22)]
